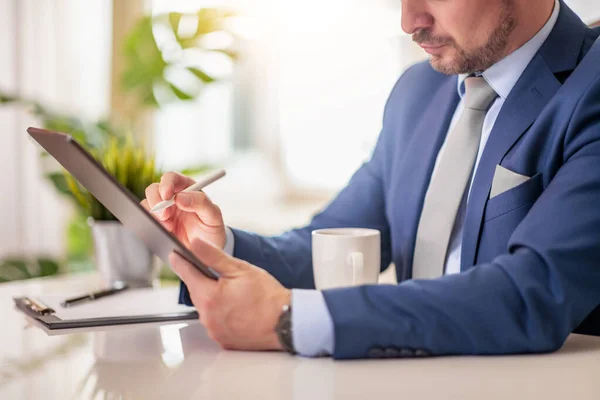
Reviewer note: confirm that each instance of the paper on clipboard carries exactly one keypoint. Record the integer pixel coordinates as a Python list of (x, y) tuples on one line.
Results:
[(132, 302), (130, 306)]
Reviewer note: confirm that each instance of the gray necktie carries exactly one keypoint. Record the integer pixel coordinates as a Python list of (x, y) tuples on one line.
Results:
[(449, 181)]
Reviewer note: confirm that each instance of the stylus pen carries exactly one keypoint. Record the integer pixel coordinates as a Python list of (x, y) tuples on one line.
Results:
[(93, 296), (201, 184)]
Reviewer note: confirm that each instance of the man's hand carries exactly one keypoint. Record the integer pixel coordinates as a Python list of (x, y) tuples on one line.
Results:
[(194, 215), (241, 309)]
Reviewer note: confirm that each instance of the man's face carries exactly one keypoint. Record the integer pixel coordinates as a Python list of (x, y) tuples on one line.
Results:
[(462, 36)]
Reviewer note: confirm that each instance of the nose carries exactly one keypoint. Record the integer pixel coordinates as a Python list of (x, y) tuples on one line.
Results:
[(415, 16)]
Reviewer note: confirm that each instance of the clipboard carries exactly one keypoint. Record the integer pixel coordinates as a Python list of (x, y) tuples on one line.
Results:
[(133, 306)]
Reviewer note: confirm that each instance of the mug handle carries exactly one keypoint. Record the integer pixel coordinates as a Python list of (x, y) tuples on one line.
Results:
[(358, 264)]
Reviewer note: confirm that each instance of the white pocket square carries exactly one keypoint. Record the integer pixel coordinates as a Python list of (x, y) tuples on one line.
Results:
[(505, 179)]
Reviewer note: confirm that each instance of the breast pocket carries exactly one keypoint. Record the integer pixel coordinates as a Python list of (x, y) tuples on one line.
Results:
[(515, 198)]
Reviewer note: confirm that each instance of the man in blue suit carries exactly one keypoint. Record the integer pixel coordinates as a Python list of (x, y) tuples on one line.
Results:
[(484, 184)]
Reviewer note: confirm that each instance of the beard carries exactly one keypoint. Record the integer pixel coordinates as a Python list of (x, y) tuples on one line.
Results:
[(475, 60)]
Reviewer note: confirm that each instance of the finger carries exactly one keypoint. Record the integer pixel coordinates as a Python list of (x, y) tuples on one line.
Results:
[(200, 203), (192, 277), (173, 182), (215, 258), (169, 225), (153, 197)]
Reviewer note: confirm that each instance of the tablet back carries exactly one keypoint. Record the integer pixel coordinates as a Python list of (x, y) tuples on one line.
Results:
[(116, 198)]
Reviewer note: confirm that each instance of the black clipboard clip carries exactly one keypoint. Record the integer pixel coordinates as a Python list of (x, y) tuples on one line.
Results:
[(36, 306)]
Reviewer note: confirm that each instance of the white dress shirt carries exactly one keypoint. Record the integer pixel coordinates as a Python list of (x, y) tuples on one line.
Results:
[(312, 324)]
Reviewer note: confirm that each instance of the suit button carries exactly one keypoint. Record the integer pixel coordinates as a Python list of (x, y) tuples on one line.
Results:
[(421, 353), (391, 352), (376, 352), (406, 353)]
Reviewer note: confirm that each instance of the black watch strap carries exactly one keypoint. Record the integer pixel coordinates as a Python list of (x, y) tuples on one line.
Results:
[(284, 329)]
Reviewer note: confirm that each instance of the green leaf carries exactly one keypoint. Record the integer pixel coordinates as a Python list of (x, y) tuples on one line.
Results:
[(59, 181), (79, 239), (48, 267), (14, 269), (181, 95), (196, 170), (105, 126), (174, 19), (16, 263), (148, 99), (144, 64), (204, 77), (7, 98), (80, 195)]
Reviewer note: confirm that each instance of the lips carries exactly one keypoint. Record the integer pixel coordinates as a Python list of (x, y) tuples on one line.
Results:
[(432, 49)]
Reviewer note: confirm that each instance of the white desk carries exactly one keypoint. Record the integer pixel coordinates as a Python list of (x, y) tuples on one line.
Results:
[(180, 362)]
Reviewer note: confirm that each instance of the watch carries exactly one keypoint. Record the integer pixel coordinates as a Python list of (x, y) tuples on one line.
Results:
[(284, 329)]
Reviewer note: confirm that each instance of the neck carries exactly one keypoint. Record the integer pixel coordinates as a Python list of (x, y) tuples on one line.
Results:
[(531, 16)]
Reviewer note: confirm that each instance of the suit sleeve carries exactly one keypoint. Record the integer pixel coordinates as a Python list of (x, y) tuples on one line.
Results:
[(527, 300)]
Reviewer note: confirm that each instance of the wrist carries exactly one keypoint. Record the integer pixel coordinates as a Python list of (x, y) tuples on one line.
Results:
[(283, 301)]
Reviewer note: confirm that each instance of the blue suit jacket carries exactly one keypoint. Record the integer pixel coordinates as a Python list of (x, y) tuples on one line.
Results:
[(530, 256)]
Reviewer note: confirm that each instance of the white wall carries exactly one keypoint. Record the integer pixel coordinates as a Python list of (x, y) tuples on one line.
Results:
[(57, 52), (588, 10), (9, 229)]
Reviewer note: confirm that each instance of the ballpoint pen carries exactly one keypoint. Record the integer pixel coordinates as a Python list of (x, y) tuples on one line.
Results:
[(93, 295), (201, 184)]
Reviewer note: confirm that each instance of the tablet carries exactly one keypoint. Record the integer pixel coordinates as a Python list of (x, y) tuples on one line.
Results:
[(115, 197)]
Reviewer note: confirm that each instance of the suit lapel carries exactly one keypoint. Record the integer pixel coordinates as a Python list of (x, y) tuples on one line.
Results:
[(530, 95), (523, 105)]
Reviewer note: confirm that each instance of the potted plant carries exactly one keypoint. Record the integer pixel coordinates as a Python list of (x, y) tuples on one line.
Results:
[(120, 256)]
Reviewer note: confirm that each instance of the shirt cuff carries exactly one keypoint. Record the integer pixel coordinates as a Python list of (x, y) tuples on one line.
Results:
[(312, 325), (229, 241)]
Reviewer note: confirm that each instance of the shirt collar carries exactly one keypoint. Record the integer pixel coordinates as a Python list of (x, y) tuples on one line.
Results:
[(504, 75)]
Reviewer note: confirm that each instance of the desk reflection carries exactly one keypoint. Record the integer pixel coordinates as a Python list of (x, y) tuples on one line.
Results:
[(148, 362), (181, 361)]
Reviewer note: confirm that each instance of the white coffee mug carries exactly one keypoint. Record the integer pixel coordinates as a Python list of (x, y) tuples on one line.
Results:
[(345, 257)]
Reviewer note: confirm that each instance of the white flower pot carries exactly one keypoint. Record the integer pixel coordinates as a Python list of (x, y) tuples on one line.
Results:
[(121, 257)]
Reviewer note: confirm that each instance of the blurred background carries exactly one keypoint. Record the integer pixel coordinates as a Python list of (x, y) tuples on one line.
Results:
[(287, 96)]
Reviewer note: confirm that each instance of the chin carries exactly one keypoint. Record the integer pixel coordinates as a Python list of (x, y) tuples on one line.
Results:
[(444, 66)]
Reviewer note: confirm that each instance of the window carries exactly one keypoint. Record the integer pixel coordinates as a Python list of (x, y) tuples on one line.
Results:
[(338, 61)]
